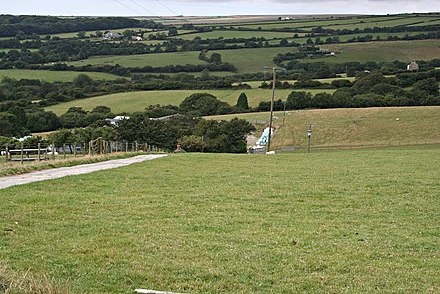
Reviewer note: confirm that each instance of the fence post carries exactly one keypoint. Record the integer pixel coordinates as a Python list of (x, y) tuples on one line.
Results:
[(90, 148), (22, 153), (126, 147), (74, 149), (53, 150), (39, 152), (7, 153)]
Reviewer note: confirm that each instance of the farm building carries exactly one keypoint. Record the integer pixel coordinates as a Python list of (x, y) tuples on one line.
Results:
[(413, 66), (110, 35)]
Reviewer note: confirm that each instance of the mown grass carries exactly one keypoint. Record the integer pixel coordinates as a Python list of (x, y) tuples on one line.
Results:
[(382, 51), (138, 101), (353, 126), (53, 76), (359, 222)]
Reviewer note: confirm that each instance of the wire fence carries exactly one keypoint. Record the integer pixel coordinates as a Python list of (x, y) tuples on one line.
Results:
[(21, 152)]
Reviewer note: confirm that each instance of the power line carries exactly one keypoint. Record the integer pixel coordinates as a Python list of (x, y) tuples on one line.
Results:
[(139, 5), (128, 7), (166, 7)]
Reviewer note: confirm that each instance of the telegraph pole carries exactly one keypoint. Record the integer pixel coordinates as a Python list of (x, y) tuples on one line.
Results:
[(274, 79), (274, 71)]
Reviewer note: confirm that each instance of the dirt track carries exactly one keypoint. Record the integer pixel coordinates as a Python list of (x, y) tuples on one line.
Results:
[(55, 173)]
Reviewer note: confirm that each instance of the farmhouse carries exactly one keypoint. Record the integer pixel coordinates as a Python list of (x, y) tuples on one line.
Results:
[(109, 35), (413, 66), (136, 38)]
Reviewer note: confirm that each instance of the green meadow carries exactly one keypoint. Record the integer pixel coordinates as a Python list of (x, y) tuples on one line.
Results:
[(236, 34), (382, 51), (246, 60), (140, 60), (362, 221), (137, 101), (53, 76)]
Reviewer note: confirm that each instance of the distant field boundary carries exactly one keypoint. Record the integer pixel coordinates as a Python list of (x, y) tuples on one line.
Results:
[(354, 146)]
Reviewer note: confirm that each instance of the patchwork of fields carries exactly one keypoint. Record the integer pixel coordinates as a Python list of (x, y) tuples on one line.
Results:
[(137, 101)]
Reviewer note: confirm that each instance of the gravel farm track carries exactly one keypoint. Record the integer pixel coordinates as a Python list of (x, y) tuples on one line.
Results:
[(55, 173)]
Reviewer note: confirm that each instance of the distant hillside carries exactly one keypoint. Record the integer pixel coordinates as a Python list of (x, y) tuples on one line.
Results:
[(354, 126)]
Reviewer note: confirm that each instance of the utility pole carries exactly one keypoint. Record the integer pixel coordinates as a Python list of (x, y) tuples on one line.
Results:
[(274, 78)]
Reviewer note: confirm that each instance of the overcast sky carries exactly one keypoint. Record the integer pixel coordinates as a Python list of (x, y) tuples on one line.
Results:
[(212, 7)]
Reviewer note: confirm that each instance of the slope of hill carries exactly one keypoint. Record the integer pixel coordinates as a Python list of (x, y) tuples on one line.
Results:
[(354, 126)]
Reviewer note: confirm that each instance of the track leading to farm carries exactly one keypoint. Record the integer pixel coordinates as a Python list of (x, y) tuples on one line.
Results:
[(55, 173)]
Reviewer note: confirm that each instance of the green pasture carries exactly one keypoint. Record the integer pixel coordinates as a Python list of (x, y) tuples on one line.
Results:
[(236, 34), (140, 60), (326, 222), (252, 59), (387, 23), (352, 22), (345, 38), (53, 76), (353, 126), (246, 60), (382, 51), (427, 23), (137, 101)]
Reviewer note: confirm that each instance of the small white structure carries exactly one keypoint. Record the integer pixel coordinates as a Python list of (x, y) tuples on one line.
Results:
[(413, 66), (110, 35), (136, 38), (114, 121)]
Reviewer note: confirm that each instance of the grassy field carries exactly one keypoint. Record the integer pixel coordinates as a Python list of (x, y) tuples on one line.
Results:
[(139, 60), (345, 38), (327, 222), (347, 23), (255, 59), (252, 60), (383, 51), (236, 34), (354, 126), (137, 101), (53, 76)]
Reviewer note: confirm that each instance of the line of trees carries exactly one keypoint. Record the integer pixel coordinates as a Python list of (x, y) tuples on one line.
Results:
[(11, 25)]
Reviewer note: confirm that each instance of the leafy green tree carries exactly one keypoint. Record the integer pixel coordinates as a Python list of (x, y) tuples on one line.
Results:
[(299, 100), (83, 80), (242, 102), (215, 58), (366, 81), (172, 32), (192, 143), (429, 86), (205, 75), (202, 104), (7, 125)]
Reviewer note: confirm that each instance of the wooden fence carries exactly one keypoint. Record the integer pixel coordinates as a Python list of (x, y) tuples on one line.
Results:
[(44, 151)]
